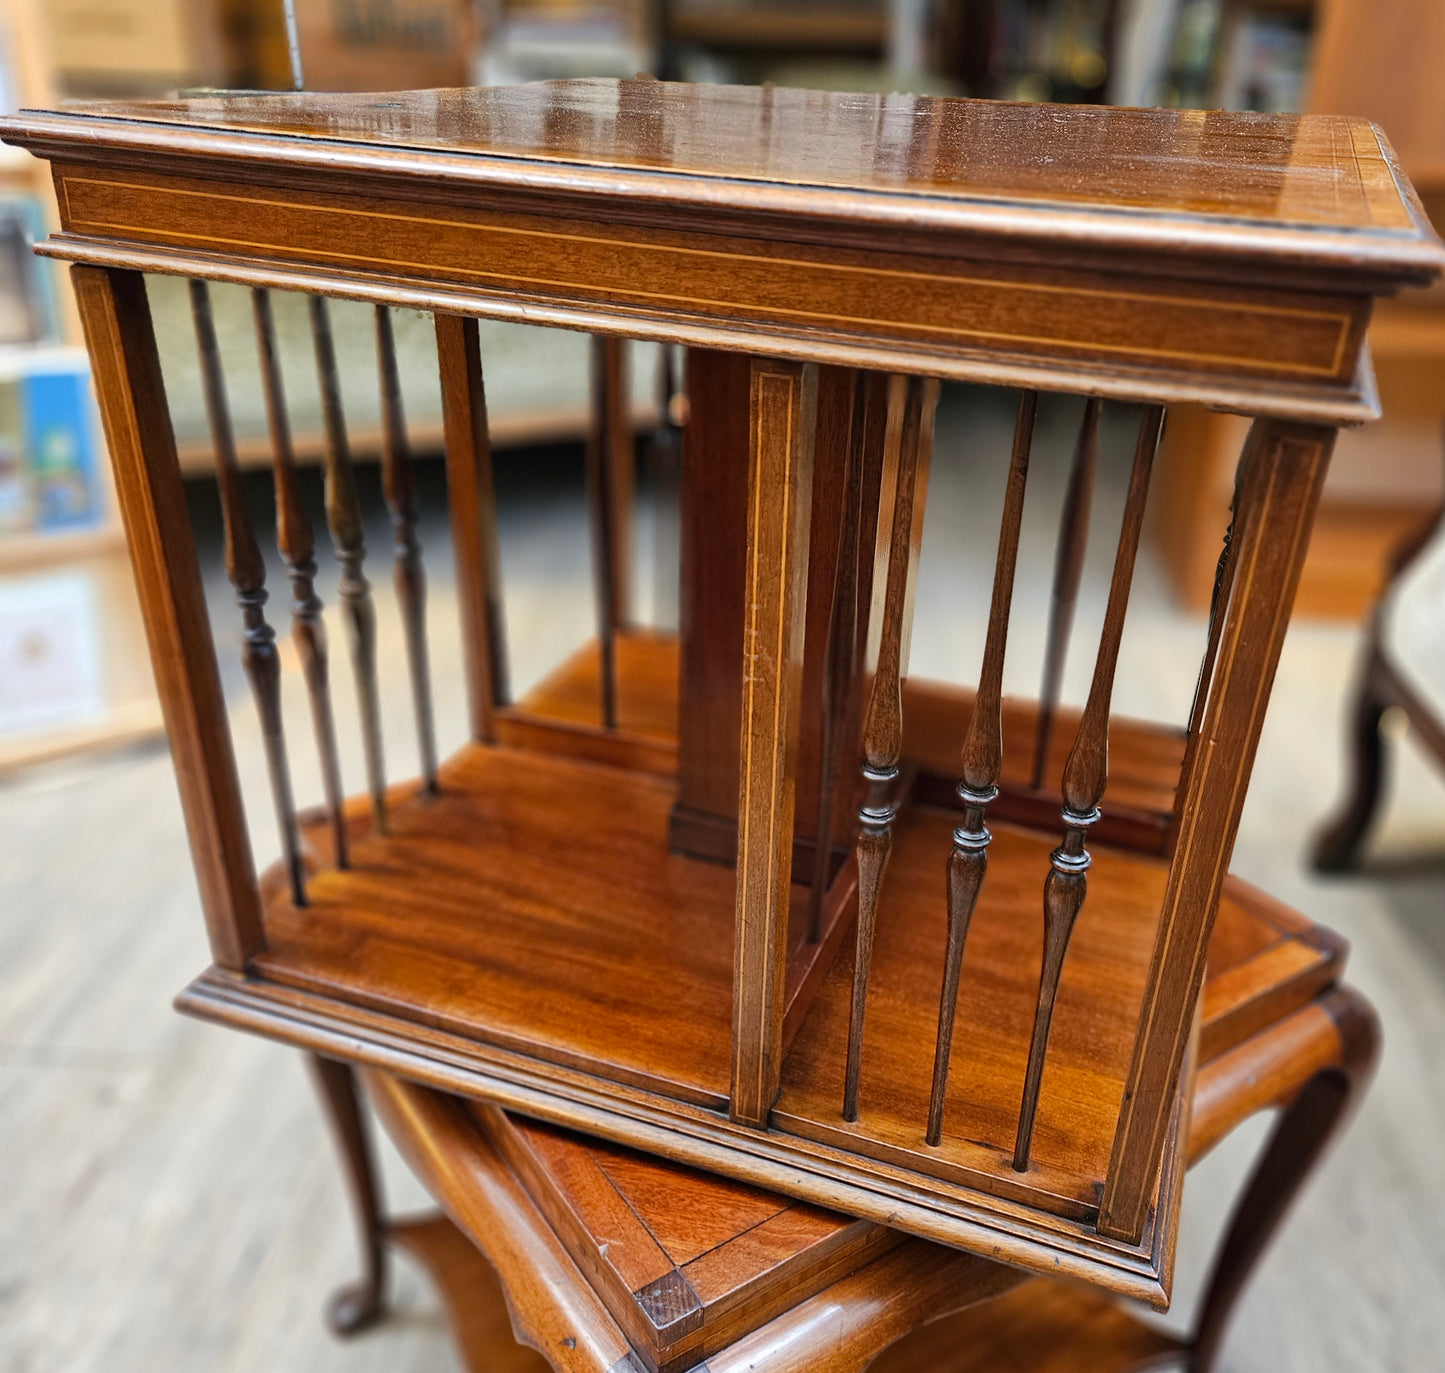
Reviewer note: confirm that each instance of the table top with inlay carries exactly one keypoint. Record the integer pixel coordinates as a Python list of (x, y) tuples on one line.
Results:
[(1251, 184)]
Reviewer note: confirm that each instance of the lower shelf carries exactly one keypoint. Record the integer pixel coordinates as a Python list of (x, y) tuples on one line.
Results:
[(525, 936)]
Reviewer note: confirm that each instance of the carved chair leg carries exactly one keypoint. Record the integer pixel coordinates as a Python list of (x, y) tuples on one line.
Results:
[(359, 1304), (1337, 849), (1301, 1136)]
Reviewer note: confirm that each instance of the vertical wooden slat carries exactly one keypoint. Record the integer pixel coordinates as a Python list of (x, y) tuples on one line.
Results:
[(610, 492), (343, 517), (982, 759), (117, 322), (1086, 774), (883, 722), (1068, 572), (1277, 502), (840, 652), (398, 484), (247, 572), (472, 503), (298, 551), (783, 408)]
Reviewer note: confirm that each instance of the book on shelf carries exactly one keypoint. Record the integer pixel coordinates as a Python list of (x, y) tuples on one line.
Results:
[(49, 473)]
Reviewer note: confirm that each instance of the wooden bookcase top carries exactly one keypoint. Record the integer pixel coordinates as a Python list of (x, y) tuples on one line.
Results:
[(1289, 189)]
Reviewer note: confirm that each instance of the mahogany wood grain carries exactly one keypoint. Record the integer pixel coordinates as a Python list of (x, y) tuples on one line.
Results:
[(1068, 572), (1151, 256), (398, 485), (908, 447), (1278, 495), (1144, 762), (1285, 172), (686, 1263), (117, 322), (1041, 1327), (1144, 756), (600, 949), (246, 570), (1037, 300), (297, 545), (472, 504), (1086, 774), (555, 1309), (714, 509), (343, 517), (559, 714), (476, 1305), (1303, 1132), (612, 420), (713, 530), (624, 1219), (609, 508), (362, 1303), (982, 761), (552, 1308), (780, 477), (840, 651)]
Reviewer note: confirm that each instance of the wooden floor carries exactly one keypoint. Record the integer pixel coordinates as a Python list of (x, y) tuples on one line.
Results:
[(169, 1196)]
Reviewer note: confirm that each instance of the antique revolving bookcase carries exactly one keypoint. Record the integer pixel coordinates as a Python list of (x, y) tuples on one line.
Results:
[(750, 897)]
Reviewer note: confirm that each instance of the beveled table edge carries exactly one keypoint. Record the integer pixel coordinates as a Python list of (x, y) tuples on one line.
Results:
[(1401, 256)]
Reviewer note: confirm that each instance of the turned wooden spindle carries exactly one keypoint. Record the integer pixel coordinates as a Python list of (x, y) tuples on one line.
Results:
[(343, 518), (1068, 572), (912, 399), (398, 484), (298, 552), (982, 759), (1085, 775), (840, 653), (247, 572), (609, 493)]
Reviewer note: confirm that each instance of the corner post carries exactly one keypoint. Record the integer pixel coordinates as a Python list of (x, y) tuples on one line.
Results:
[(784, 397), (117, 322), (1285, 465)]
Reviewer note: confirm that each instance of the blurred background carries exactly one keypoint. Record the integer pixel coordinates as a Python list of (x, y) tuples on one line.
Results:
[(116, 1245)]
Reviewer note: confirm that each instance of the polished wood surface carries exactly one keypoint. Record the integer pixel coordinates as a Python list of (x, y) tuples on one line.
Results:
[(297, 546), (361, 1303), (246, 570), (921, 235), (908, 446), (398, 484), (472, 505), (1326, 170), (1280, 487), (344, 520), (524, 933), (686, 1263), (1068, 573), (476, 1305), (127, 370), (382, 942), (1086, 774), (622, 1218), (573, 957), (783, 409)]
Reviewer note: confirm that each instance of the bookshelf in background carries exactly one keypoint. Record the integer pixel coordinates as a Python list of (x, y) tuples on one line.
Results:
[(1351, 57), (73, 673)]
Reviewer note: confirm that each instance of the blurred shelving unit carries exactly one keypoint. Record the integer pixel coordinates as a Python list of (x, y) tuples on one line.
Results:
[(73, 668), (1359, 58)]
